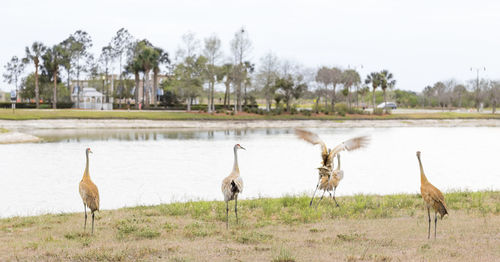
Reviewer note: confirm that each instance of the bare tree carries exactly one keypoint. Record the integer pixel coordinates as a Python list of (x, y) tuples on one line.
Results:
[(441, 90), (494, 95), (213, 53), (82, 44), (14, 68), (240, 48), (325, 77), (478, 89), (105, 59), (121, 43), (336, 79), (267, 75), (189, 48), (459, 91)]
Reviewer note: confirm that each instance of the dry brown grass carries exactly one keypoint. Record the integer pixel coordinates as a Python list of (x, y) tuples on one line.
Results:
[(195, 231)]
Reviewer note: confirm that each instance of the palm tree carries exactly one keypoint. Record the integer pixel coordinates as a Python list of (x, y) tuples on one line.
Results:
[(362, 92), (386, 80), (350, 77), (33, 55), (147, 57), (374, 79), (134, 66), (161, 58)]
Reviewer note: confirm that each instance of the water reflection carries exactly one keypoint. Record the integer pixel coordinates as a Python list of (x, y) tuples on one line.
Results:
[(76, 135)]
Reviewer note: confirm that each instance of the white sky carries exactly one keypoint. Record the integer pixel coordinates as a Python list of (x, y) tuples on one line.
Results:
[(421, 42)]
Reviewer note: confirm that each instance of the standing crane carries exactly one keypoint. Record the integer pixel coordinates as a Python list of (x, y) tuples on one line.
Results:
[(327, 156), (89, 193), (432, 198), (232, 185)]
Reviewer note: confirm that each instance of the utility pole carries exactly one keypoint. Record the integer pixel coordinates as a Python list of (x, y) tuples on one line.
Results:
[(477, 69)]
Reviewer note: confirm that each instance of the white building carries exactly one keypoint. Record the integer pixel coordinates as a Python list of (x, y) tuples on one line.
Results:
[(90, 99)]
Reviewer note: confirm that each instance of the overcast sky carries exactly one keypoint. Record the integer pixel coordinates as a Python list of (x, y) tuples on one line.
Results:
[(421, 42)]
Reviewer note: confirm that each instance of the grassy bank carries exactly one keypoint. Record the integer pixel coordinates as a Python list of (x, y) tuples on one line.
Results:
[(364, 228), (29, 114)]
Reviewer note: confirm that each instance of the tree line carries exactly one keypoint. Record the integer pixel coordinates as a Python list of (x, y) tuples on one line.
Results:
[(197, 67)]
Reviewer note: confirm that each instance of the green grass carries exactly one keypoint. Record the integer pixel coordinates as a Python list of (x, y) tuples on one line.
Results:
[(3, 130), (269, 229), (30, 114), (292, 210), (284, 256)]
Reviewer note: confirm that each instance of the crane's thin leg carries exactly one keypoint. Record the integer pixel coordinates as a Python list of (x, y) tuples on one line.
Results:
[(334, 197), (236, 207), (227, 214), (321, 198), (429, 231), (85, 210), (435, 223), (310, 203), (92, 223)]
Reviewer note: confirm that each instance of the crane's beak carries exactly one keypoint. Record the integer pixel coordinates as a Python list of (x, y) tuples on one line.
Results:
[(242, 148), (90, 151)]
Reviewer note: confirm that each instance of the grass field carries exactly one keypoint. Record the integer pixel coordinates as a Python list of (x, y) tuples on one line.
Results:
[(29, 114), (364, 228)]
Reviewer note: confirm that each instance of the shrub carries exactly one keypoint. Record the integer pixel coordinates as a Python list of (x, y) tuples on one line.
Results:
[(378, 111), (59, 105), (354, 110), (306, 112), (341, 108)]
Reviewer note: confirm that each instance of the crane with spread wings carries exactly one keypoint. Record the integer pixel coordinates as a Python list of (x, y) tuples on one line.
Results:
[(327, 156)]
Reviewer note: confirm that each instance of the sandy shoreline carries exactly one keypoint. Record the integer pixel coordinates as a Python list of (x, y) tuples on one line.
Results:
[(16, 137), (17, 127)]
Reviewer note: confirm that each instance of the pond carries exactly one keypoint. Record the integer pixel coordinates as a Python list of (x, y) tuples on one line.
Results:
[(151, 166)]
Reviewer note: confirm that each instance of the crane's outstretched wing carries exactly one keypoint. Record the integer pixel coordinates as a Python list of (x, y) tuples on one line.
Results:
[(349, 145), (313, 139)]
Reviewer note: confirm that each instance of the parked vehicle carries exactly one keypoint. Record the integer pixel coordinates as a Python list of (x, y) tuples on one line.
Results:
[(390, 105)]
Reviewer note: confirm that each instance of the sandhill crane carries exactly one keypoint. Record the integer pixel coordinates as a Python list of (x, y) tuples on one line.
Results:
[(432, 198), (335, 178), (327, 155), (232, 185), (330, 182), (89, 193)]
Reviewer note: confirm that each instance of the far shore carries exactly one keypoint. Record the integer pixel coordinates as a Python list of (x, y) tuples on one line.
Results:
[(17, 128), (238, 124)]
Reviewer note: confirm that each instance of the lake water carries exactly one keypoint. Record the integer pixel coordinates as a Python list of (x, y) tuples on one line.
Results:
[(134, 167)]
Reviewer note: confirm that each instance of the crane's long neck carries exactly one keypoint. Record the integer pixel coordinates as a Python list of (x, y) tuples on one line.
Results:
[(338, 162), (423, 179), (86, 172), (235, 165)]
